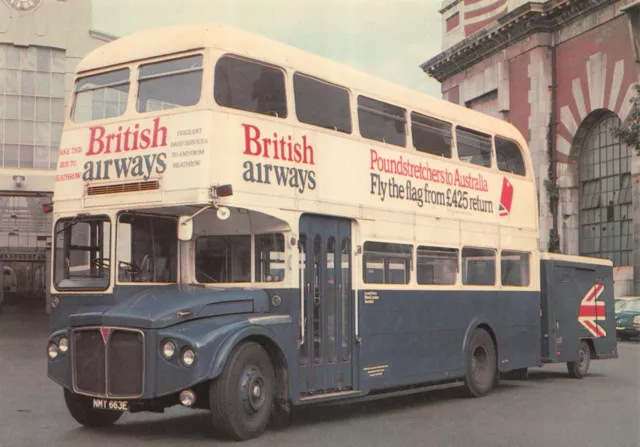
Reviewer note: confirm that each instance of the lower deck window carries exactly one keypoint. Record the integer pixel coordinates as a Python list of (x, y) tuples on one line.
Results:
[(386, 263), (228, 258), (514, 267), (223, 259), (437, 266), (478, 267)]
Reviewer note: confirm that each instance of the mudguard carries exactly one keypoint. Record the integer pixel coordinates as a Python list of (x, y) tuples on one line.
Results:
[(232, 340), (473, 325)]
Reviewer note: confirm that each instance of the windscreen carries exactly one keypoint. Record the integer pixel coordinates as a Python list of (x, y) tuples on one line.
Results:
[(147, 249), (82, 253)]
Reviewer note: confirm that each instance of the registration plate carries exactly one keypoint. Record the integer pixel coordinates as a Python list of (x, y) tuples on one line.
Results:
[(108, 404)]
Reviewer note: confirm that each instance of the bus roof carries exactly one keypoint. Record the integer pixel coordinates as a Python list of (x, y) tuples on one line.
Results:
[(176, 39)]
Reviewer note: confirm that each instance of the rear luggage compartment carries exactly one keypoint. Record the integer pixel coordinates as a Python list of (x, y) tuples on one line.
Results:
[(577, 305)]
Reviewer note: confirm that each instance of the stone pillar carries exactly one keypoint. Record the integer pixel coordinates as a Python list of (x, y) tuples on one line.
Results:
[(540, 104)]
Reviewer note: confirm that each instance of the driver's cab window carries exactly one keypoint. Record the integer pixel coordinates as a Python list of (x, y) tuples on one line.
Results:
[(147, 249)]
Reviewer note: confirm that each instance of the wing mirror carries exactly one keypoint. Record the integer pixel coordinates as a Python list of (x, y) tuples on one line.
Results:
[(185, 228)]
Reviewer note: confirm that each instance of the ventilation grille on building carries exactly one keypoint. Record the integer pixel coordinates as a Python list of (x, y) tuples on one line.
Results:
[(123, 187)]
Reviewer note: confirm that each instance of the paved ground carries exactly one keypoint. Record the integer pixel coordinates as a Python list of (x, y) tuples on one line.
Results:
[(603, 410)]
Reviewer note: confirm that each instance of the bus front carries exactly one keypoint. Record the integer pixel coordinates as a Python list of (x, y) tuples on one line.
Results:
[(153, 280)]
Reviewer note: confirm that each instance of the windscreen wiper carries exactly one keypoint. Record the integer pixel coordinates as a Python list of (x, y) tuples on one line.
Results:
[(77, 218)]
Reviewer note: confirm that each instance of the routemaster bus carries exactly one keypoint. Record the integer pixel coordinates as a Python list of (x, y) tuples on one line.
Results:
[(243, 227)]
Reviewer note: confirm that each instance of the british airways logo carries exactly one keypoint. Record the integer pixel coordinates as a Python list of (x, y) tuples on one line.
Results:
[(506, 197)]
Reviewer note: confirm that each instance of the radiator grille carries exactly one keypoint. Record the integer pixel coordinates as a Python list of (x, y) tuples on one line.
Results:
[(111, 369), (89, 355), (122, 188), (125, 361)]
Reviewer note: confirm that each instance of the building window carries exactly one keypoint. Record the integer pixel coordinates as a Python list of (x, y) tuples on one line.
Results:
[(605, 195), (453, 21), (31, 106)]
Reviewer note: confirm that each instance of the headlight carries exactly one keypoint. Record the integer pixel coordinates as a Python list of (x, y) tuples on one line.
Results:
[(188, 357), (636, 320), (63, 345), (52, 350), (168, 349)]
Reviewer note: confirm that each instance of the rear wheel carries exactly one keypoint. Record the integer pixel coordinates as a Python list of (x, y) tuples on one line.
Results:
[(82, 411), (579, 368), (241, 399), (481, 371)]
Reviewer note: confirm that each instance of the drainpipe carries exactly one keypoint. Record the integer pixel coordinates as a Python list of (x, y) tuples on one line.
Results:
[(552, 189)]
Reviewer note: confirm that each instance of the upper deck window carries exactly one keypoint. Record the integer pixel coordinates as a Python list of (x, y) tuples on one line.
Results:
[(431, 135), (169, 84), (509, 156), (474, 147), (251, 86), (382, 121), (101, 96), (322, 104)]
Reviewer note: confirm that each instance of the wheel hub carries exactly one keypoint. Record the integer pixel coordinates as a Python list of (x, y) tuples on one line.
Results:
[(251, 390), (480, 364)]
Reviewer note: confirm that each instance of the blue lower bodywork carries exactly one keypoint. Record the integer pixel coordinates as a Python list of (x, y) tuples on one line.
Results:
[(405, 337)]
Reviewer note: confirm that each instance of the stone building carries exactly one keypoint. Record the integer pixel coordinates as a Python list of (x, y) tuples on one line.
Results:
[(562, 71), (41, 41)]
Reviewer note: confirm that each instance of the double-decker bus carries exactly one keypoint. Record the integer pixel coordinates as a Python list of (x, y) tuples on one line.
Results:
[(244, 227)]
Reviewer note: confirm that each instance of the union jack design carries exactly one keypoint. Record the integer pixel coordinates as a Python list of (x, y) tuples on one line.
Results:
[(592, 310), (506, 197)]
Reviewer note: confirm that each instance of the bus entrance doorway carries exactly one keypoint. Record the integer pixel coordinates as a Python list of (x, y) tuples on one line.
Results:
[(327, 316)]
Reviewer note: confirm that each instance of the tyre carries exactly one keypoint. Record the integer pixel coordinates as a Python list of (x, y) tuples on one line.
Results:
[(480, 374), (81, 410), (579, 368), (241, 398)]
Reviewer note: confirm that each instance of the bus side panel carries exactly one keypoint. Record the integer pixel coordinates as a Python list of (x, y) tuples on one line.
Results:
[(410, 336), (577, 304)]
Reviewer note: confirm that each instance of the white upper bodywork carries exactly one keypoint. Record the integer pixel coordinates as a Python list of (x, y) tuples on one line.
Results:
[(381, 185)]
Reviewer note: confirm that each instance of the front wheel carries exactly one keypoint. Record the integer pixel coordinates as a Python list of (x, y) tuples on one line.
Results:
[(82, 411), (241, 399), (579, 368), (481, 370)]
